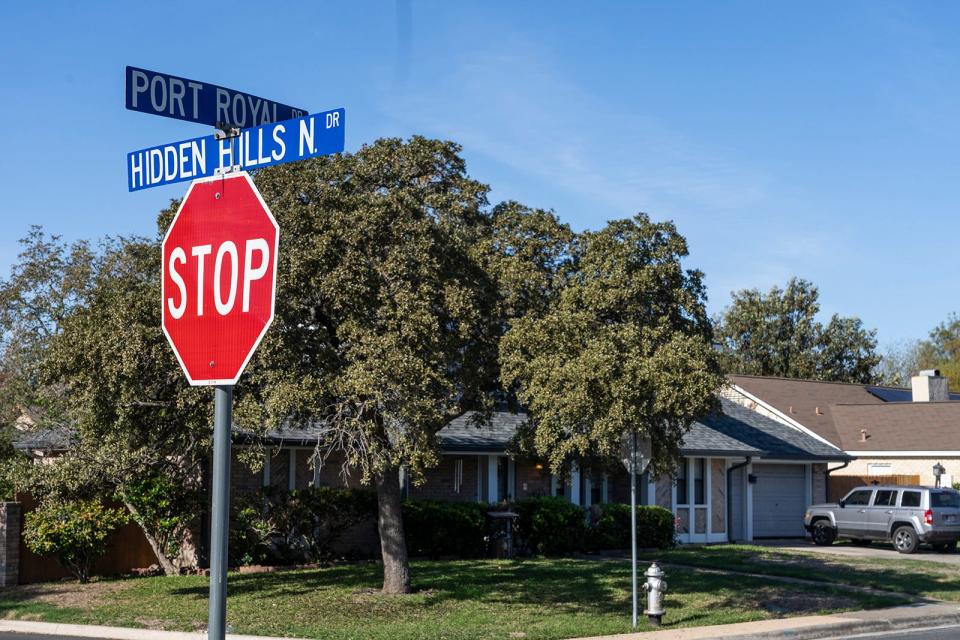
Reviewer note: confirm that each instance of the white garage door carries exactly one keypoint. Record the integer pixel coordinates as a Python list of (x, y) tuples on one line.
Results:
[(779, 500)]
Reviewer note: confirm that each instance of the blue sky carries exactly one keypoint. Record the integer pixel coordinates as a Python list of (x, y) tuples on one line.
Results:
[(814, 139)]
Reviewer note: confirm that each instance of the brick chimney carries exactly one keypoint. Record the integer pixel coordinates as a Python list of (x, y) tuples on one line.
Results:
[(929, 386)]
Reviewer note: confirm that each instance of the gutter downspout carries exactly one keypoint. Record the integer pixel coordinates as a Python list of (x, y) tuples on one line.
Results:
[(827, 476), (730, 471)]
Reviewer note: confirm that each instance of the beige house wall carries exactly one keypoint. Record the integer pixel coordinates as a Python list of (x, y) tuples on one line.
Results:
[(922, 467)]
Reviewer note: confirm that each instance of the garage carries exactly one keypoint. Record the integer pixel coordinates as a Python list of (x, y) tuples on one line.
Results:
[(779, 500)]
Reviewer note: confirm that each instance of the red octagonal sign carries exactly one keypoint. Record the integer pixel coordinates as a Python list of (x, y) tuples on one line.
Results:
[(219, 277)]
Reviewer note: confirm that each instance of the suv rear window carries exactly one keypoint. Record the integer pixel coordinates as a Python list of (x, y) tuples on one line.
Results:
[(885, 498), (944, 499), (910, 499)]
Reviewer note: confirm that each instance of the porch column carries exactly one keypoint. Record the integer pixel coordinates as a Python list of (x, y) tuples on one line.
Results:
[(511, 479), (587, 490), (575, 484), (492, 479)]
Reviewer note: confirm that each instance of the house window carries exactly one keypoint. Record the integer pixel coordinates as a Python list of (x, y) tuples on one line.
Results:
[(699, 481), (457, 475), (683, 496)]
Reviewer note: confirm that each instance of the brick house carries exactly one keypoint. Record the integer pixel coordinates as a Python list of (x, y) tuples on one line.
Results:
[(742, 475)]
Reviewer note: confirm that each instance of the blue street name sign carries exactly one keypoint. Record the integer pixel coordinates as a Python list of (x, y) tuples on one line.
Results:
[(174, 97), (314, 135)]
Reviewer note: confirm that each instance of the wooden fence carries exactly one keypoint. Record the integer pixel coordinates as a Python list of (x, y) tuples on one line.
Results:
[(841, 485), (127, 550)]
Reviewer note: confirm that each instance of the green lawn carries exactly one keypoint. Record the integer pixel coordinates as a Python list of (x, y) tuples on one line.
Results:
[(539, 598), (912, 576)]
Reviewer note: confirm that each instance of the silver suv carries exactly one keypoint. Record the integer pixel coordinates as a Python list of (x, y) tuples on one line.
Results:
[(907, 516)]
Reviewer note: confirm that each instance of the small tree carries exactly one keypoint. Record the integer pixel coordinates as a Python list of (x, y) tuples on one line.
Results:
[(76, 533)]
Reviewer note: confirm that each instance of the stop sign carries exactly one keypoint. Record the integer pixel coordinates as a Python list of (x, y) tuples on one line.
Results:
[(219, 277)]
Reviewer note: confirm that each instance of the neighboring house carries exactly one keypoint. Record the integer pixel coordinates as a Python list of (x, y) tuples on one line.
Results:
[(890, 431)]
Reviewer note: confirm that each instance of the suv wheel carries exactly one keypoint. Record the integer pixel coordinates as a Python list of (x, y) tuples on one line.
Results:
[(905, 539), (823, 534), (945, 547)]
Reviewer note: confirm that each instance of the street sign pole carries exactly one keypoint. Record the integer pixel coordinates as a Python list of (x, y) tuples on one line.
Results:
[(633, 520), (220, 517)]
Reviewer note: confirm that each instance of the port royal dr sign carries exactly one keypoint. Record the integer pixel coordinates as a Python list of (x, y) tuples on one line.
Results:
[(161, 94), (274, 143)]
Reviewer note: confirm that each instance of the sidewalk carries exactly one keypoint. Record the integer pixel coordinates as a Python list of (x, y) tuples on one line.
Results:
[(810, 627)]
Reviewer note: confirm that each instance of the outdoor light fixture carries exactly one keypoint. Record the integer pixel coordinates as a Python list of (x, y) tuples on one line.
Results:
[(938, 470)]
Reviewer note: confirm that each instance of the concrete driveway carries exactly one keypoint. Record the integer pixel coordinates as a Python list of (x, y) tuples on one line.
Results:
[(874, 550)]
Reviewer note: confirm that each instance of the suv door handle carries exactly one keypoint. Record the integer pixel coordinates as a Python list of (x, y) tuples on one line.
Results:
[(891, 511), (862, 511)]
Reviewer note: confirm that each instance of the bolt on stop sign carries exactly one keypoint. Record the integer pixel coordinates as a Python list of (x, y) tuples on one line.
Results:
[(219, 277)]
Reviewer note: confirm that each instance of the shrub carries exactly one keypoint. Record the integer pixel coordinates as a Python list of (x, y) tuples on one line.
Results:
[(550, 525), (300, 526), (250, 531), (435, 528), (310, 521), (611, 527), (76, 533), (165, 509)]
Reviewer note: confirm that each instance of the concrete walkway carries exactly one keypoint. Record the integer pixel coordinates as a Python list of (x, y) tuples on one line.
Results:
[(96, 632), (811, 627), (875, 550)]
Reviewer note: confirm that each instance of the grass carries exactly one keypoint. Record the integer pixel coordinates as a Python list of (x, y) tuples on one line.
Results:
[(911, 576), (538, 598)]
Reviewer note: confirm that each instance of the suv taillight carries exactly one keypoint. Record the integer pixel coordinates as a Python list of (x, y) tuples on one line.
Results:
[(928, 516)]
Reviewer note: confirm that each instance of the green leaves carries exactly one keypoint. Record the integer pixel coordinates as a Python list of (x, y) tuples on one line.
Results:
[(76, 532), (777, 334), (624, 346)]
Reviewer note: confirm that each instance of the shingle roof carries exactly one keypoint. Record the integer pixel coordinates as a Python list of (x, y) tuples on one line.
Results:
[(893, 421), (894, 426), (461, 434), (735, 432), (51, 439), (801, 399), (775, 439)]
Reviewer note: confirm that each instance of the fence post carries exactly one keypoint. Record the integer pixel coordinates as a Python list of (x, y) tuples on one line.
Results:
[(9, 543)]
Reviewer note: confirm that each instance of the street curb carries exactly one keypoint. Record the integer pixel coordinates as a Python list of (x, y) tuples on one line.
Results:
[(111, 633), (812, 627)]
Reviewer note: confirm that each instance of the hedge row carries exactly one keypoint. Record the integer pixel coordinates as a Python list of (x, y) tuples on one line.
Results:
[(306, 525)]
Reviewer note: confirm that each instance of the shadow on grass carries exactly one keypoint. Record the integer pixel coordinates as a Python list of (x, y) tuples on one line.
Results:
[(573, 586), (904, 576)]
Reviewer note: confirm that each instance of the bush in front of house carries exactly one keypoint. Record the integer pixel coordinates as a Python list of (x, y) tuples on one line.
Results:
[(610, 528), (550, 525), (435, 528), (284, 527), (74, 532)]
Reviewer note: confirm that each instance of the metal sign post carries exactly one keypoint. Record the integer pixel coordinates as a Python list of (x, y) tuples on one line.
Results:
[(220, 513), (633, 522), (636, 456)]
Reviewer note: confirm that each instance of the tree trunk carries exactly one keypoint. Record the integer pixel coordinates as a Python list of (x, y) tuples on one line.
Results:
[(393, 542), (168, 568)]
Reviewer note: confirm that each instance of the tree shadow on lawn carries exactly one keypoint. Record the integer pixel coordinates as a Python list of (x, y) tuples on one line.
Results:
[(905, 576), (572, 586)]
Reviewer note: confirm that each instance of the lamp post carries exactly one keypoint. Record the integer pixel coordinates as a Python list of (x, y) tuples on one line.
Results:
[(635, 453), (938, 470)]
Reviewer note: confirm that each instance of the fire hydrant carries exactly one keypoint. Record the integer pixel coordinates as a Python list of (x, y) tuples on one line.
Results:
[(655, 586)]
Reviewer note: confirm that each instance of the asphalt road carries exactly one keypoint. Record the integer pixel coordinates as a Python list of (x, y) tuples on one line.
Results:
[(931, 633)]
